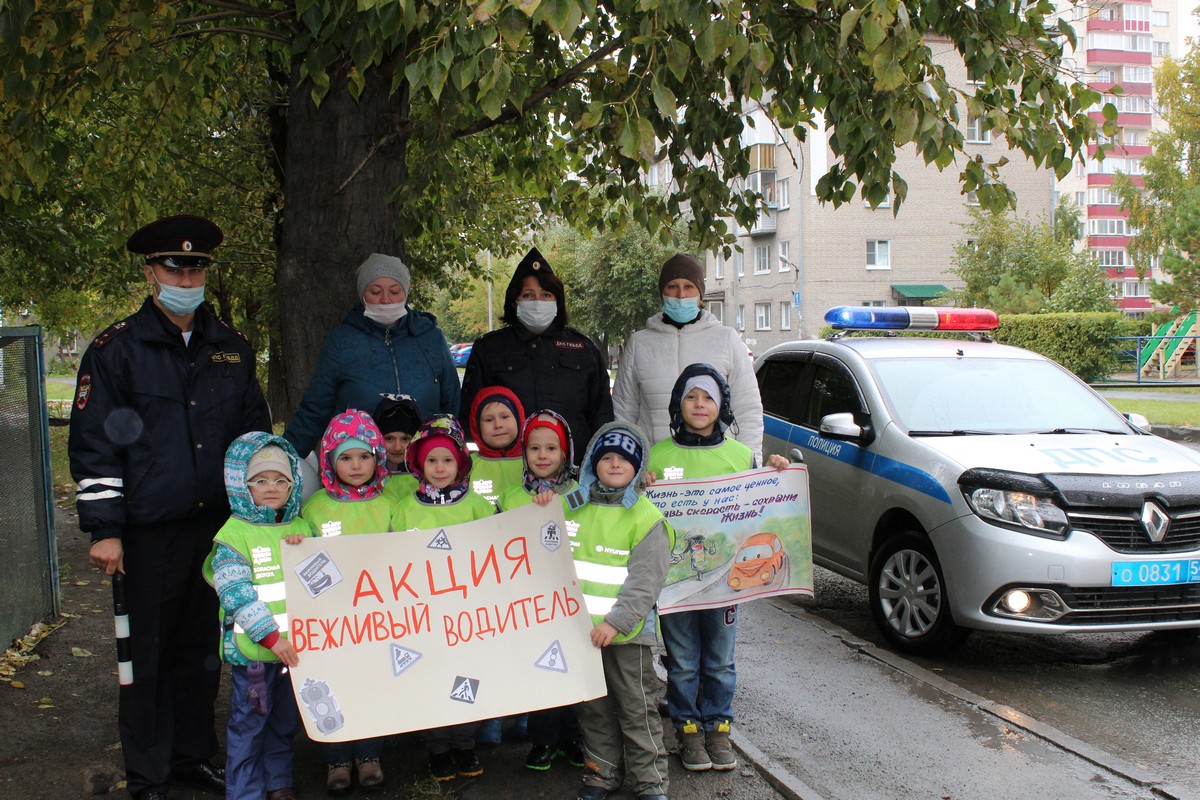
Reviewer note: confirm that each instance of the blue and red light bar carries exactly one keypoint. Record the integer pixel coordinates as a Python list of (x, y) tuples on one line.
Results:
[(911, 318)]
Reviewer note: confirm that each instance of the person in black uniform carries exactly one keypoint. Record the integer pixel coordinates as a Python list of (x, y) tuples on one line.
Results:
[(542, 361), (159, 397)]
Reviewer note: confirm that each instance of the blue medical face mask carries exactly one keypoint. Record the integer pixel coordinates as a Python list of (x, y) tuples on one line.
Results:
[(681, 309), (178, 300)]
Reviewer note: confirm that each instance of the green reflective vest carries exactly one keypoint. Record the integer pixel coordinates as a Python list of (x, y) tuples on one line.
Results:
[(601, 545), (517, 496), (411, 514), (490, 477), (670, 462), (260, 546), (331, 517), (398, 485)]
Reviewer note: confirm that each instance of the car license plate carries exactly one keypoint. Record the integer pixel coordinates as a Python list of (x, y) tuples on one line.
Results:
[(1155, 573)]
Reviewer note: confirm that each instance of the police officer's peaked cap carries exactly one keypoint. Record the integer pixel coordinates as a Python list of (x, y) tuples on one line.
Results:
[(182, 235), (533, 261)]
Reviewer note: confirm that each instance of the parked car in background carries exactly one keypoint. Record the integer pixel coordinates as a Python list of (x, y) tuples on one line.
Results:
[(460, 352), (972, 485)]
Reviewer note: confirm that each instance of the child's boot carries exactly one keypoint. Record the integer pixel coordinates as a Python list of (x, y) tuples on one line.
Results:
[(720, 751), (370, 773), (691, 747)]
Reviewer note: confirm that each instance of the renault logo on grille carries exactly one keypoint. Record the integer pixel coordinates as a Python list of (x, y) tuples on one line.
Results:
[(1155, 521)]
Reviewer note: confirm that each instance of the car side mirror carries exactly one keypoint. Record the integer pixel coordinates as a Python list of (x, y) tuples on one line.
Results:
[(1139, 422), (841, 426)]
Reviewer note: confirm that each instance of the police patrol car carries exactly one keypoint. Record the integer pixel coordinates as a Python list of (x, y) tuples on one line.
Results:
[(974, 485)]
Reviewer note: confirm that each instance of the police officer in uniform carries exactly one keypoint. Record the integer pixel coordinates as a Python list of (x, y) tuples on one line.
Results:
[(159, 397)]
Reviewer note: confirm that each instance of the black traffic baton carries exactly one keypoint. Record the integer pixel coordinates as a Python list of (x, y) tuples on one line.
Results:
[(121, 626)]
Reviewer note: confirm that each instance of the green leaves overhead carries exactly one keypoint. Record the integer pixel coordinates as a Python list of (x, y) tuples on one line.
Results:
[(572, 98)]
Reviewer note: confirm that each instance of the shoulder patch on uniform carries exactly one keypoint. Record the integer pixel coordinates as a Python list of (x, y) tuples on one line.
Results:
[(233, 330), (83, 390), (110, 333)]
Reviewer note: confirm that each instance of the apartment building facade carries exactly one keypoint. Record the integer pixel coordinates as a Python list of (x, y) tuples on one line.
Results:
[(802, 257)]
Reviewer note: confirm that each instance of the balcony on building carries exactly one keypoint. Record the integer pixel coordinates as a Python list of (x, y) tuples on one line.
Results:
[(761, 180)]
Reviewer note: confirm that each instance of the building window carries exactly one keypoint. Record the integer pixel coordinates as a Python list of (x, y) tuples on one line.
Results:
[(972, 199), (740, 322), (1136, 289), (762, 316), (975, 131), (1103, 196), (719, 266), (1081, 199), (783, 193), (1112, 259), (1106, 75), (1137, 74), (1110, 227), (1161, 19), (762, 259), (879, 254), (1162, 48), (873, 303), (785, 315), (717, 309), (741, 262), (785, 256)]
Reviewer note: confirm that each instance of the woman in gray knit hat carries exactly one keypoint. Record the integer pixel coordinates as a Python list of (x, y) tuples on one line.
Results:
[(381, 347)]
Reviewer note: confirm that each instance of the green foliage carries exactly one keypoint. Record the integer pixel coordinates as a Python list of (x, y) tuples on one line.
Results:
[(611, 277), (1083, 343), (596, 89), (1017, 266), (1164, 211)]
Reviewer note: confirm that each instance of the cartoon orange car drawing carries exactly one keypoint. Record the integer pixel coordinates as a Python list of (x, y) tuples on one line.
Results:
[(757, 561)]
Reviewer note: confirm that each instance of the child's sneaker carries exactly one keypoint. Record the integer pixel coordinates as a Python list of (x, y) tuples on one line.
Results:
[(338, 778), (467, 764), (441, 766), (720, 751), (691, 747), (540, 757), (370, 773), (573, 752)]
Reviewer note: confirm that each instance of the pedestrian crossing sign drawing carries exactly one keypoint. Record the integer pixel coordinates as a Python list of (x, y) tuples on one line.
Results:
[(402, 659), (551, 536), (553, 659), (440, 542), (465, 689)]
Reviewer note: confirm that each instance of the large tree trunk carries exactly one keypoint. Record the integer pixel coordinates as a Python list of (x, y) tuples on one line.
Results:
[(342, 160)]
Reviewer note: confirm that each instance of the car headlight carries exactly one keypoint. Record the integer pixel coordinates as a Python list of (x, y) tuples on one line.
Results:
[(1022, 502)]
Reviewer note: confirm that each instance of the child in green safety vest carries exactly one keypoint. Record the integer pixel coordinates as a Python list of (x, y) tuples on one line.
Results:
[(262, 479), (549, 458), (700, 644), (439, 460), (353, 461), (622, 548), (398, 418), (495, 426)]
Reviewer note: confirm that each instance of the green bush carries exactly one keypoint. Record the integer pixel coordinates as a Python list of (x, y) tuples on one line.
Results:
[(1082, 343)]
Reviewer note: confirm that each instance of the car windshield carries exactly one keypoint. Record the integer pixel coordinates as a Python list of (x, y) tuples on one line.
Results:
[(957, 396)]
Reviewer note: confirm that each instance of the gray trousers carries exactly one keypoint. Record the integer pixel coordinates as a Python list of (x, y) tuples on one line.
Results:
[(626, 721)]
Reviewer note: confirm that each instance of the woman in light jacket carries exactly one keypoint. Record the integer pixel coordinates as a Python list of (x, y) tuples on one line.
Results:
[(685, 333)]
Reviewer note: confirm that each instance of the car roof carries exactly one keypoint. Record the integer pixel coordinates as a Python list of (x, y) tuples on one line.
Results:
[(877, 347)]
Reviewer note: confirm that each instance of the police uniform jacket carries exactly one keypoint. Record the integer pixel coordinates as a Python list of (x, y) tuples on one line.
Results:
[(152, 419), (560, 369)]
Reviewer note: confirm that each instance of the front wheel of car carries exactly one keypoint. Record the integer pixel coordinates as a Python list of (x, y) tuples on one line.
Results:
[(908, 597)]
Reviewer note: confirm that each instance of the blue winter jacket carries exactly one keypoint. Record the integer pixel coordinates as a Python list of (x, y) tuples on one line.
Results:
[(362, 359)]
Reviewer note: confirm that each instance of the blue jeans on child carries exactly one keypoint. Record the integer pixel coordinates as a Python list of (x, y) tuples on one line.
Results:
[(259, 747), (701, 676)]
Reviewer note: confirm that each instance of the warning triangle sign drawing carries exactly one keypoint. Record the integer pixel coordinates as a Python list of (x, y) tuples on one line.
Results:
[(440, 542), (464, 689), (553, 659), (402, 659)]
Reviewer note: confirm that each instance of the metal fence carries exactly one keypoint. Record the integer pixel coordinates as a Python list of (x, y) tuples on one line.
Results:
[(29, 565)]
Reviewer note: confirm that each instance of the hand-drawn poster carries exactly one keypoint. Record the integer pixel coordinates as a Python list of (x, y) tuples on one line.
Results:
[(419, 629), (737, 537)]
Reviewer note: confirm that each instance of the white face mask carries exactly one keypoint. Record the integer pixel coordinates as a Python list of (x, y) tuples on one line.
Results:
[(536, 315), (386, 314)]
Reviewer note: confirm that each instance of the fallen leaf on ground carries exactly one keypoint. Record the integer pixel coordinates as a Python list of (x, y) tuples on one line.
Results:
[(79, 652), (18, 685)]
